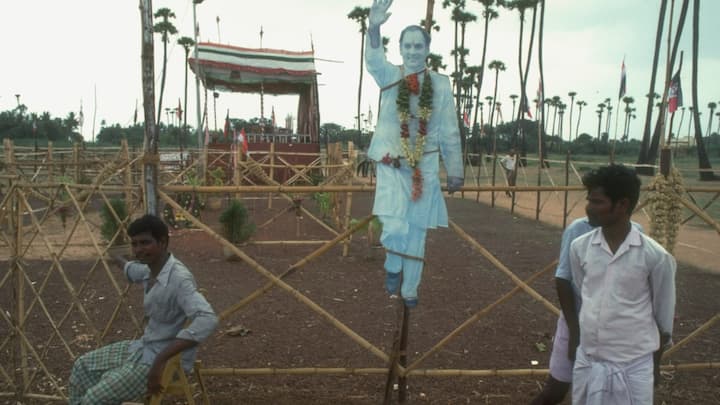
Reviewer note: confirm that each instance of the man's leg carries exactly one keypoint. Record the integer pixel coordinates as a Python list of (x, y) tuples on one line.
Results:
[(413, 267), (558, 383), (125, 383), (394, 240), (89, 368)]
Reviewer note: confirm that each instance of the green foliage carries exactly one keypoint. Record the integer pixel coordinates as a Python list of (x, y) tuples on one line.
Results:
[(235, 223), (110, 225), (323, 202), (217, 176)]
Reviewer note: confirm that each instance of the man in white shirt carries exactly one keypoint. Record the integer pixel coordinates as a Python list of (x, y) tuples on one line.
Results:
[(627, 285), (508, 164)]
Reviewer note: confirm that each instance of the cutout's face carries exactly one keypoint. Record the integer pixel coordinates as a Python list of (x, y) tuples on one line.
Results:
[(147, 249), (414, 51), (600, 209)]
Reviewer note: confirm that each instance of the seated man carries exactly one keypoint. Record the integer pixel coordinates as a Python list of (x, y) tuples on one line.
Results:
[(129, 369)]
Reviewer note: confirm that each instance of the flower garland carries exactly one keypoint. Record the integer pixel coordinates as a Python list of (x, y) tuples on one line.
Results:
[(408, 87), (665, 208)]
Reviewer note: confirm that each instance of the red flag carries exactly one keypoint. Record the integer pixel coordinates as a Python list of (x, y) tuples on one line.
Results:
[(244, 141), (227, 125), (623, 81), (179, 111), (675, 93), (466, 119)]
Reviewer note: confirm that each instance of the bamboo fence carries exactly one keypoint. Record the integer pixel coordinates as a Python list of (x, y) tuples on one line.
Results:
[(41, 332)]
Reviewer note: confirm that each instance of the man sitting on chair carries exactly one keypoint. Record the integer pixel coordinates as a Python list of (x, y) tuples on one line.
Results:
[(126, 370)]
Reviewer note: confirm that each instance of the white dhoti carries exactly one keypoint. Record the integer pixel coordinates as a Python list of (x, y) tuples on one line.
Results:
[(598, 382)]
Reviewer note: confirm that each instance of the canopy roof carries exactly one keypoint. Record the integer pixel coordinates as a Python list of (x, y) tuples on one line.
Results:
[(231, 68)]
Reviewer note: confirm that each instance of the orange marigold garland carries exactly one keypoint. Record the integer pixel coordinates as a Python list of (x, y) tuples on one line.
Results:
[(411, 86)]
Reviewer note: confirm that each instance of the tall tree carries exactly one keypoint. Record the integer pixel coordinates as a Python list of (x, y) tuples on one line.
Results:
[(428, 21), (152, 135), (497, 66), (572, 95), (186, 43), (645, 142), (488, 14), (360, 15), (706, 173), (165, 28), (580, 105), (712, 106)]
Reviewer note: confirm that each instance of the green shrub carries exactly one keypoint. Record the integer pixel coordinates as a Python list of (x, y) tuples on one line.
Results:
[(110, 225), (235, 223)]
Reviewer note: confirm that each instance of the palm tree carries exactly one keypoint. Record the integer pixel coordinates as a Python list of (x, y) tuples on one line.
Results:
[(513, 97), (712, 106), (434, 61), (462, 18), (428, 22), (601, 109), (488, 14), (717, 131), (186, 43), (152, 134), (609, 108), (572, 95), (627, 100), (497, 66), (360, 15), (580, 105), (165, 28), (703, 160), (645, 142)]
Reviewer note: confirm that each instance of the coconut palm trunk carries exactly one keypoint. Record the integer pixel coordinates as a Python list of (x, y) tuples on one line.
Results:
[(148, 83), (706, 173), (360, 15), (645, 142)]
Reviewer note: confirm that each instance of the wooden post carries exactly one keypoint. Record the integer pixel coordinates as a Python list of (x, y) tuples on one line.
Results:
[(272, 170), (567, 183), (16, 269), (236, 168), (665, 160), (50, 167), (127, 178), (402, 381), (348, 201), (492, 194), (76, 162)]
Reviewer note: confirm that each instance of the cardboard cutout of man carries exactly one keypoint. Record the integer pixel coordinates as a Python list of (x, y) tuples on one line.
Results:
[(416, 123)]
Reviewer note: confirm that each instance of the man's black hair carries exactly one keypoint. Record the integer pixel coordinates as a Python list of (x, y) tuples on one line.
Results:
[(149, 223), (617, 182), (425, 34)]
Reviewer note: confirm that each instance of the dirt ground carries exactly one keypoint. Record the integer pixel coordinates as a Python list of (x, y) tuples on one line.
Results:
[(281, 332)]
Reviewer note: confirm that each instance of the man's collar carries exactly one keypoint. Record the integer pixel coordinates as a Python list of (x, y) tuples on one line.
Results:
[(164, 274)]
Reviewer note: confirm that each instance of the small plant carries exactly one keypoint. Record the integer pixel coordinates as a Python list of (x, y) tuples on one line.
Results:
[(323, 202), (217, 176), (110, 225), (235, 223)]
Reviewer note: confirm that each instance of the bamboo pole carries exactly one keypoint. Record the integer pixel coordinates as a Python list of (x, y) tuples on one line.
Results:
[(477, 316), (704, 207), (692, 335), (697, 211), (236, 169), (497, 263), (276, 280), (19, 294), (76, 162), (127, 178), (346, 224), (321, 250), (50, 162), (567, 183), (272, 169)]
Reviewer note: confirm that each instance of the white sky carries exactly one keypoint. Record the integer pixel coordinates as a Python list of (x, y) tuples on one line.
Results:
[(56, 53)]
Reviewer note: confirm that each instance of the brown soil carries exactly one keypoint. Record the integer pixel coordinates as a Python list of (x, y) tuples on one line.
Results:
[(285, 333)]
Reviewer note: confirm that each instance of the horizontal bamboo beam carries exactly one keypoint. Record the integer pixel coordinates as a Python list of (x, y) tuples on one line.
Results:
[(287, 242)]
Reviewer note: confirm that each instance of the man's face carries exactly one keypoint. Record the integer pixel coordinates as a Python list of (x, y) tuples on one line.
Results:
[(414, 51), (147, 250), (600, 209)]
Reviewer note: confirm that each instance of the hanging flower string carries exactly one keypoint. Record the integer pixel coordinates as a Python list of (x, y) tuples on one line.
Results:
[(408, 87)]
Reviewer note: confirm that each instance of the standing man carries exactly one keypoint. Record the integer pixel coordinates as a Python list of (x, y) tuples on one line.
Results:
[(567, 331), (129, 369), (627, 285), (416, 123), (508, 164)]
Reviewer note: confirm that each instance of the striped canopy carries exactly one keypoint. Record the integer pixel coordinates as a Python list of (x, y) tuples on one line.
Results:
[(231, 68)]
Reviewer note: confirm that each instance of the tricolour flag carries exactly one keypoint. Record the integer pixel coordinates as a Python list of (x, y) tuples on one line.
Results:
[(526, 107), (226, 131), (675, 93), (623, 81), (466, 118)]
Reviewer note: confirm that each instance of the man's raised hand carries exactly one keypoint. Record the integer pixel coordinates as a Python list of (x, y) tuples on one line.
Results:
[(379, 12)]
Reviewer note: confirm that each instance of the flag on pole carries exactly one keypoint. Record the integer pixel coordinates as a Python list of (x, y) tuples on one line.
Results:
[(675, 93), (243, 138), (466, 119), (539, 101), (226, 131), (623, 81), (179, 111)]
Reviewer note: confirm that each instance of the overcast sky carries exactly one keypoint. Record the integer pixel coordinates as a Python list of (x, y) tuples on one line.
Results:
[(59, 54)]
